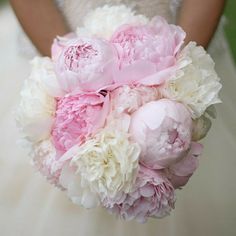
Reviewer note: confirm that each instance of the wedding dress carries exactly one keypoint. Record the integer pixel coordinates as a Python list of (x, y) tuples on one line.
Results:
[(31, 207)]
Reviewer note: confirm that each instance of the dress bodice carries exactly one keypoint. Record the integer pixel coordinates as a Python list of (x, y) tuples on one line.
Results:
[(75, 10)]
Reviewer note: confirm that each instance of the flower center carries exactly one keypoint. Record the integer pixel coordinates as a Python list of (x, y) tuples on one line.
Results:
[(74, 54)]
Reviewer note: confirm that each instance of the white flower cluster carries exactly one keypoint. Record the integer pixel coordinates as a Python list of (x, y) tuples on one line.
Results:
[(107, 164), (104, 21), (195, 83)]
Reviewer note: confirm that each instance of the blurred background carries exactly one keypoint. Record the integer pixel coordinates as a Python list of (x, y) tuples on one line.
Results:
[(230, 28)]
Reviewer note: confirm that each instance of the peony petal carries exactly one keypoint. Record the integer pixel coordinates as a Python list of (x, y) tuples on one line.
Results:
[(59, 44), (89, 200), (38, 130), (133, 73), (66, 176), (78, 117), (101, 81), (56, 49), (179, 181), (147, 191), (188, 164), (145, 115), (103, 115), (159, 77)]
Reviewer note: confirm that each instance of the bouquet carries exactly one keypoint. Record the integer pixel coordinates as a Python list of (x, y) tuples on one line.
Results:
[(114, 117)]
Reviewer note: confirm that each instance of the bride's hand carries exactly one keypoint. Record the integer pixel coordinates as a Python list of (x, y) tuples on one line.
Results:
[(42, 22), (199, 18)]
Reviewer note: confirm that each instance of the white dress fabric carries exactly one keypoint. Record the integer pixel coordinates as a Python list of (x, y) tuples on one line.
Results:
[(31, 207)]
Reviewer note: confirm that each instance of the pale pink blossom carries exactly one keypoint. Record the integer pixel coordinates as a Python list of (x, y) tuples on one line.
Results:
[(77, 117), (147, 52), (129, 99), (83, 63), (163, 129), (152, 196)]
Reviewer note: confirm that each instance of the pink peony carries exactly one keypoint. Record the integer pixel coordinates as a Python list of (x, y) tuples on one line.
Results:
[(83, 63), (163, 129), (181, 171), (77, 117), (153, 196), (147, 52)]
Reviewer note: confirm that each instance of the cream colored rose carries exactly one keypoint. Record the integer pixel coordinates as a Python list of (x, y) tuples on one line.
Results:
[(108, 163), (195, 83)]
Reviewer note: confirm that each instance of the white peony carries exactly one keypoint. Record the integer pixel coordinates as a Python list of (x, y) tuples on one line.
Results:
[(108, 163), (195, 83), (36, 110), (43, 72), (103, 21), (127, 99)]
